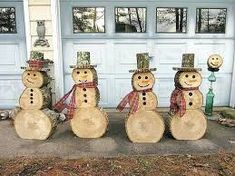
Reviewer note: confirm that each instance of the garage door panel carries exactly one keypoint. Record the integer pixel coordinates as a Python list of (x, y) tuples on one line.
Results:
[(103, 86), (125, 55), (10, 91)]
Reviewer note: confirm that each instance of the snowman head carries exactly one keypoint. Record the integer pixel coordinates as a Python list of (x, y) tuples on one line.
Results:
[(215, 61), (188, 79), (143, 80), (84, 75), (33, 78)]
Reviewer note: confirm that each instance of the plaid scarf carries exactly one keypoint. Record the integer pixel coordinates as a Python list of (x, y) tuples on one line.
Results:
[(61, 104), (178, 103), (132, 99)]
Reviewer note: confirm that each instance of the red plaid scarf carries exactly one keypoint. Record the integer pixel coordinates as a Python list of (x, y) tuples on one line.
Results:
[(132, 99), (178, 104), (61, 104)]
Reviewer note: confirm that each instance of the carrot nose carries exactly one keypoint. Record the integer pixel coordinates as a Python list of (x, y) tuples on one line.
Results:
[(145, 81), (192, 81), (84, 76)]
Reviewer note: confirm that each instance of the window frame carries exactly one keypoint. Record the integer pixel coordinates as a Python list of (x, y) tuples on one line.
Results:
[(211, 33), (146, 20), (84, 33), (186, 27), (16, 25)]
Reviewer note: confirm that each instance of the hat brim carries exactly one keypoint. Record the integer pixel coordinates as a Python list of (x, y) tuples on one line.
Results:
[(83, 67), (189, 69), (35, 69), (143, 70)]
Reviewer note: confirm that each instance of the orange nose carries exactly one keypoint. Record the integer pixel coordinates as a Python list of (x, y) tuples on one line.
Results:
[(145, 81), (84, 76), (192, 81)]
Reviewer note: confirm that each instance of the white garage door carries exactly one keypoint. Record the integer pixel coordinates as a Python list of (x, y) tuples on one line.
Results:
[(12, 51), (115, 31)]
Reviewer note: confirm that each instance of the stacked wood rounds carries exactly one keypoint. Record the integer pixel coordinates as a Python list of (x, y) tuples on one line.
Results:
[(35, 120), (187, 121), (88, 121), (145, 125)]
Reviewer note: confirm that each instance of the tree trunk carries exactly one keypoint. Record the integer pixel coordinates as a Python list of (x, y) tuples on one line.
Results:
[(36, 124), (177, 19), (138, 18), (35, 98), (89, 122), (145, 127)]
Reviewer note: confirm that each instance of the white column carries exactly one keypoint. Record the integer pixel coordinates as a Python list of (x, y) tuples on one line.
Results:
[(57, 50), (27, 28)]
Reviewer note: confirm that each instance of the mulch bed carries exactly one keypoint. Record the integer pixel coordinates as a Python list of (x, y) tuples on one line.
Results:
[(222, 163)]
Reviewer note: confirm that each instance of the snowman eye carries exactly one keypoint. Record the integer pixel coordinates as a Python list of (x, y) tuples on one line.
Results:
[(34, 74), (146, 77), (213, 58), (28, 73), (139, 77), (186, 76), (85, 72), (78, 72), (193, 76), (217, 58)]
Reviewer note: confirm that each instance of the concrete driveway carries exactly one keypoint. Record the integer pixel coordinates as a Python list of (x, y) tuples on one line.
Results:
[(65, 144)]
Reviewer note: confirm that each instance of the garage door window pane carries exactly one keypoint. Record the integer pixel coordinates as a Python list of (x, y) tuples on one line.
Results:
[(7, 20), (211, 20), (88, 20), (130, 19), (171, 20)]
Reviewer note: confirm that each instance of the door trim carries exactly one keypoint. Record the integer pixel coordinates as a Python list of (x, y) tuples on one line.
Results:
[(57, 50)]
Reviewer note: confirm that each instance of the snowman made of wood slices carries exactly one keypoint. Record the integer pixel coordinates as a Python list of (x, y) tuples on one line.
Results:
[(87, 119), (187, 121), (143, 124), (34, 120)]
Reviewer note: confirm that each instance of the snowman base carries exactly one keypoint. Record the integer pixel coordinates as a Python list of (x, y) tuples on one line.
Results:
[(35, 124), (192, 126), (145, 127), (89, 122)]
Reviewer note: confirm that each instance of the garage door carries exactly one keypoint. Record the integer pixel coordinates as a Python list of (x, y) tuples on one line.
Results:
[(115, 31), (12, 51)]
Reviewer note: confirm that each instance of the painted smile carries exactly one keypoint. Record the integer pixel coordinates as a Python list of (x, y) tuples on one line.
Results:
[(144, 86), (214, 64), (29, 81), (188, 84)]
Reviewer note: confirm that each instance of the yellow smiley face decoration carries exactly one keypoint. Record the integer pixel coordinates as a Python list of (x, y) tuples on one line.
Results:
[(143, 80), (215, 61)]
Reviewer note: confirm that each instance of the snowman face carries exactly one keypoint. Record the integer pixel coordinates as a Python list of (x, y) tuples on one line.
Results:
[(142, 81), (189, 79), (32, 78), (83, 75), (215, 61)]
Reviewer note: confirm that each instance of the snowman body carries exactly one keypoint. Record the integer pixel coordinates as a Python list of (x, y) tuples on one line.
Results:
[(35, 120), (144, 125), (192, 124), (88, 121)]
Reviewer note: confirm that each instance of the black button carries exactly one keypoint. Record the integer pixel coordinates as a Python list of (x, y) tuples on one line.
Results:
[(143, 93), (144, 98), (84, 89), (190, 103), (31, 102), (31, 90), (31, 98), (31, 94), (144, 103), (85, 101), (84, 95), (190, 93)]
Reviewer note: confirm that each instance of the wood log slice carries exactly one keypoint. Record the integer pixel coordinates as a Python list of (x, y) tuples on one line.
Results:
[(89, 122), (193, 99), (192, 126), (35, 98), (36, 124), (145, 127), (35, 79)]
